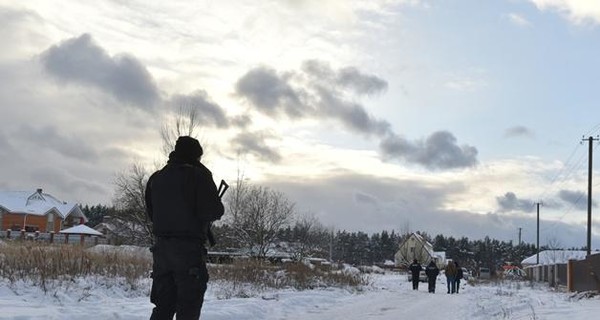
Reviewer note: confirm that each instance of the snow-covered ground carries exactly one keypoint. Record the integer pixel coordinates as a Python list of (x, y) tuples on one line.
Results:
[(390, 297)]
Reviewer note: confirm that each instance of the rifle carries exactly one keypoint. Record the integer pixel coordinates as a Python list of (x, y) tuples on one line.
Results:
[(220, 193)]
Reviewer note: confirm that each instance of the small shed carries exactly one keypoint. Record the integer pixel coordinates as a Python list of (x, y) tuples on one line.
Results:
[(83, 231)]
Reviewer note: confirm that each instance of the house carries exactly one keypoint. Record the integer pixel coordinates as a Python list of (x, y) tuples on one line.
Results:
[(37, 211), (416, 247)]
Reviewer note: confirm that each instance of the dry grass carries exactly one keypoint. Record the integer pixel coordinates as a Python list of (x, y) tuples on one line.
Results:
[(49, 265), (41, 263), (263, 275)]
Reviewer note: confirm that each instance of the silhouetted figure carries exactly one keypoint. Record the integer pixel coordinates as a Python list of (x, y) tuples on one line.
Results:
[(459, 275), (432, 272), (451, 276), (181, 202), (415, 268)]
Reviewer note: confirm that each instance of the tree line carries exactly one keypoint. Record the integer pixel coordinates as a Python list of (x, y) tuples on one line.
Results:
[(262, 221)]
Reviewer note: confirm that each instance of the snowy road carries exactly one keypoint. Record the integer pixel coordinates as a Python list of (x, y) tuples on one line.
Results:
[(391, 297), (392, 304)]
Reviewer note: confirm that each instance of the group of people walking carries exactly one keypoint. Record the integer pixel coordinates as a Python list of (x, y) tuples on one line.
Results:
[(453, 272)]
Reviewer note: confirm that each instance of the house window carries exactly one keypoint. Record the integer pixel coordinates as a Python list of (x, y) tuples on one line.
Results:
[(50, 224), (412, 249)]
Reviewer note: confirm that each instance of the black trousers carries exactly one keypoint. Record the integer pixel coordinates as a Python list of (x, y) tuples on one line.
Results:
[(431, 283), (415, 281), (179, 279)]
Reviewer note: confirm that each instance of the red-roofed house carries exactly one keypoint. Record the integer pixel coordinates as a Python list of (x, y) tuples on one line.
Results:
[(37, 211)]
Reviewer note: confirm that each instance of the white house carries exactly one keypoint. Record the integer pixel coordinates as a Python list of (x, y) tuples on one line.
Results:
[(416, 247)]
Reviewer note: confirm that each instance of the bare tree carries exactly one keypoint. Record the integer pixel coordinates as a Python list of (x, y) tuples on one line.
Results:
[(132, 224), (256, 214), (131, 221), (310, 236), (185, 123)]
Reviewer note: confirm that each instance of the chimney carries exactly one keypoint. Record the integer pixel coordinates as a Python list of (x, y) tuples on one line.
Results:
[(39, 190)]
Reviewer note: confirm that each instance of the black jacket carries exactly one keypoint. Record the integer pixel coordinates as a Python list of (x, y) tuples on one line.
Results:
[(181, 200), (415, 268), (432, 270)]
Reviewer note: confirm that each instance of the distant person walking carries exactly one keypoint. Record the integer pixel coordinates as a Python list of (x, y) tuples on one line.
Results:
[(181, 201), (451, 276), (415, 268), (459, 275), (432, 272)]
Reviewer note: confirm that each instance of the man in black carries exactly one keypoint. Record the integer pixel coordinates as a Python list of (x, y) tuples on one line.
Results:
[(415, 268), (181, 200), (432, 272)]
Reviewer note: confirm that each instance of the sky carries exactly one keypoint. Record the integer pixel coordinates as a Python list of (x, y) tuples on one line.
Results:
[(447, 117)]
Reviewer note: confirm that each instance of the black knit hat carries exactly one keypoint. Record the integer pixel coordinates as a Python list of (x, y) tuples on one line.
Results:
[(188, 148)]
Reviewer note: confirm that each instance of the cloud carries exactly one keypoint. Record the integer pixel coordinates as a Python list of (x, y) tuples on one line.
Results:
[(18, 36), (319, 91), (576, 11), (518, 131), (577, 199), (51, 138), (270, 93), (208, 113), (360, 197), (438, 151), (81, 61), (348, 78), (254, 143), (352, 115), (518, 20), (510, 202), (316, 92)]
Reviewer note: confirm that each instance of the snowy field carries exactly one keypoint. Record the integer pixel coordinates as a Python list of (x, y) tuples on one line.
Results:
[(389, 297)]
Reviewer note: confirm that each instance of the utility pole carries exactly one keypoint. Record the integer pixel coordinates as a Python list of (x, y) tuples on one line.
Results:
[(537, 257), (519, 243), (589, 204)]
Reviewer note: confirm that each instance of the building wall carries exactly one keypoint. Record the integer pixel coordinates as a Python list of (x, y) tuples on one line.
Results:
[(15, 222)]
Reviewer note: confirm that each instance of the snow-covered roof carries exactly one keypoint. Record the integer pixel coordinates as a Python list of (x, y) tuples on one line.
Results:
[(548, 257), (82, 229), (37, 203)]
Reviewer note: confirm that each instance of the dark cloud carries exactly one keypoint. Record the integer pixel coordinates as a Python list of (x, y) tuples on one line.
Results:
[(438, 151), (241, 121), (347, 78), (51, 138), (518, 131), (352, 115), (208, 112), (81, 61), (322, 92), (270, 93), (510, 202), (254, 143), (576, 199)]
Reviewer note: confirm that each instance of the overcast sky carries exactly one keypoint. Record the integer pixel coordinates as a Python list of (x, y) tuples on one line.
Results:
[(451, 117)]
